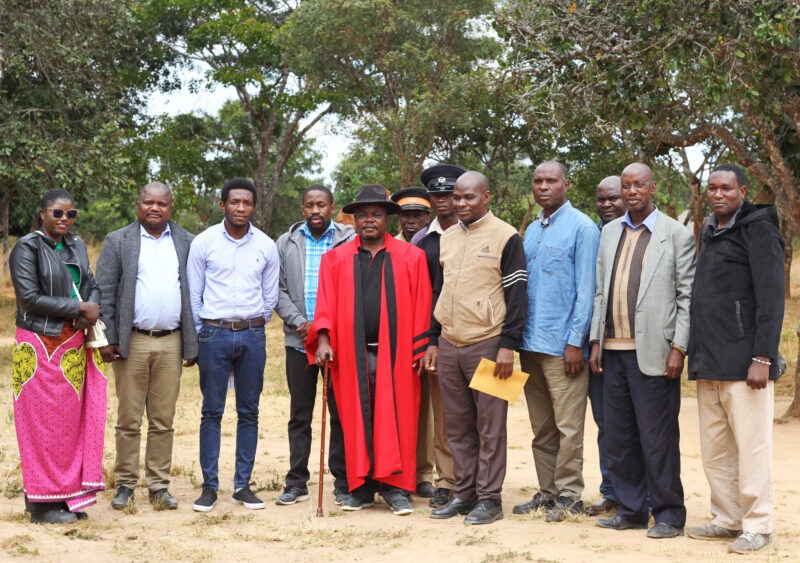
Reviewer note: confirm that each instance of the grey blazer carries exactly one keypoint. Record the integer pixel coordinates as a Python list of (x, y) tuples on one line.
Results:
[(117, 269), (665, 291)]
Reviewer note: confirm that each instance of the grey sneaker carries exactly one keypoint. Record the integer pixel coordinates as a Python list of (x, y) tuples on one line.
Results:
[(292, 495), (339, 496), (749, 542), (355, 502), (711, 532), (206, 501), (401, 506), (248, 499)]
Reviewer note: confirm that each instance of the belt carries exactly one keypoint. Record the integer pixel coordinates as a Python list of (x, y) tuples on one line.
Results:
[(156, 333), (235, 325)]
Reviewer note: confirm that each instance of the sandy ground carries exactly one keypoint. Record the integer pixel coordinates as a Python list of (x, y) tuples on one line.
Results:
[(294, 533)]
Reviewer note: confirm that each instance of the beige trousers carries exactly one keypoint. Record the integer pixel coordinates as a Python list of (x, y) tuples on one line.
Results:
[(736, 445), (432, 447), (147, 381), (557, 409)]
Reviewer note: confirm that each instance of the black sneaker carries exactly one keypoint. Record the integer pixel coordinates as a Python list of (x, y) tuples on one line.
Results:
[(339, 496), (401, 506), (206, 501), (246, 498), (291, 495), (122, 498), (356, 502)]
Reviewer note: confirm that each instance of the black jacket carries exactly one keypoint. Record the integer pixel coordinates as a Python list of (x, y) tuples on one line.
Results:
[(43, 284), (737, 297)]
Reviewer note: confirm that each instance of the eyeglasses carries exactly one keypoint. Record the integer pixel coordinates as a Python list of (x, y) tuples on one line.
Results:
[(59, 213)]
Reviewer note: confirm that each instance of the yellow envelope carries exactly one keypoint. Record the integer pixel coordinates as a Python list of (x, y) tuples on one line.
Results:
[(507, 389)]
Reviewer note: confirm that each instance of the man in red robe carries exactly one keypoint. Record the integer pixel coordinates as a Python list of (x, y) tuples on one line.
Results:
[(371, 323)]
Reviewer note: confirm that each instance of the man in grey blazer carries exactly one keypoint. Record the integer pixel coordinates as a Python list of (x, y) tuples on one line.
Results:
[(145, 305), (639, 336)]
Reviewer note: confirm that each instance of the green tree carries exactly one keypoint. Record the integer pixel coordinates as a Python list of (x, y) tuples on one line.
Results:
[(67, 106), (399, 69), (672, 74), (197, 154), (236, 42)]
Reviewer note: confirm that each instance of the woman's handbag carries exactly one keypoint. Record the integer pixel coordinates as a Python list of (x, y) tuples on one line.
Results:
[(95, 335)]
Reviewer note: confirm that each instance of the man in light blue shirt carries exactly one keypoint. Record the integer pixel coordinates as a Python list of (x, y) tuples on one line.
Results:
[(233, 284), (560, 250), (300, 250)]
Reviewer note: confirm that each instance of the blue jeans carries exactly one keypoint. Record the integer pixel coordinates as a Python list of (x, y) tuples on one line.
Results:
[(221, 350), (596, 398)]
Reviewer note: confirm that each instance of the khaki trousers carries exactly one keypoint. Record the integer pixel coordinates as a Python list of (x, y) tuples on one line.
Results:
[(736, 445), (557, 409), (432, 447), (147, 381)]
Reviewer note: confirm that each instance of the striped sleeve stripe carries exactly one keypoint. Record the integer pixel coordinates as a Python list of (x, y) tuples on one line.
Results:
[(420, 350), (514, 277), (419, 337)]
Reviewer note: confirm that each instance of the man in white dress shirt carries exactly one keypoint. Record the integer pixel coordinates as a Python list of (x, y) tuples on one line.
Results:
[(145, 305)]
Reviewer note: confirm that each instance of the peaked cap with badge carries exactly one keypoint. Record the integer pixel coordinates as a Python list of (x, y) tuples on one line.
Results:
[(441, 178), (412, 199)]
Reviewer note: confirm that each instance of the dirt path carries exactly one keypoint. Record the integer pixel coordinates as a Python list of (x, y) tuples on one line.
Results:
[(294, 533)]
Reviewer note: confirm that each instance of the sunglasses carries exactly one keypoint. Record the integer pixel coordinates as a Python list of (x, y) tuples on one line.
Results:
[(59, 213)]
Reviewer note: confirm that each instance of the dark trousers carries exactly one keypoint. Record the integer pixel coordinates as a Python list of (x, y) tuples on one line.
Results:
[(476, 422), (596, 398), (302, 381), (643, 440)]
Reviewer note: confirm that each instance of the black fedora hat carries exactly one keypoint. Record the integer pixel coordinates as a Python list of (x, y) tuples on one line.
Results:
[(372, 194)]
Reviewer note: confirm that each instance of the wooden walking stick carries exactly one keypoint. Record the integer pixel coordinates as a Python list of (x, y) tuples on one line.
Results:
[(325, 377)]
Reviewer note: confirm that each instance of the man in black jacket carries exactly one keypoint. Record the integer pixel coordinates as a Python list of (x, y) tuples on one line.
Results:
[(736, 316)]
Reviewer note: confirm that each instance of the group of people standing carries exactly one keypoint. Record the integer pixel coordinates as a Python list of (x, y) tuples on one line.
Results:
[(606, 311)]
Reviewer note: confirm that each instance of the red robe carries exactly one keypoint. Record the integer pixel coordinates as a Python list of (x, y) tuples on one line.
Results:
[(385, 452)]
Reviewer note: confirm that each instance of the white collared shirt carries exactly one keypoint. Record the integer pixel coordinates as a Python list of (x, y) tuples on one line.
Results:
[(157, 303)]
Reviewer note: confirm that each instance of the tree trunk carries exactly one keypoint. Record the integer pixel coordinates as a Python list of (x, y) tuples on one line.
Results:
[(6, 244), (787, 258), (794, 409)]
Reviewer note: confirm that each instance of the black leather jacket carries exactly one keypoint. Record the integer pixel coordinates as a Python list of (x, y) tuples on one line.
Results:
[(43, 284)]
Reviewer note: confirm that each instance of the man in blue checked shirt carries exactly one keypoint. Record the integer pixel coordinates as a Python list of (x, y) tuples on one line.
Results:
[(233, 272), (560, 251), (301, 250)]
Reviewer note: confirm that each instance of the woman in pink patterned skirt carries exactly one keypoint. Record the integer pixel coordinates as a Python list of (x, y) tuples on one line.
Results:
[(59, 388)]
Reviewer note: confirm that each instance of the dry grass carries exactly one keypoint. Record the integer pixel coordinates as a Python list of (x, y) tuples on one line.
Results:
[(143, 533)]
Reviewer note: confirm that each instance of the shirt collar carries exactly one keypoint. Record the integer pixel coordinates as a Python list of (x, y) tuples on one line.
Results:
[(649, 221), (714, 222), (239, 240), (545, 221), (143, 232), (435, 227), (476, 223)]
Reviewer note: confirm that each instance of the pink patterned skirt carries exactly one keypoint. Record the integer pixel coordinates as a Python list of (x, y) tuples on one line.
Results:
[(60, 415)]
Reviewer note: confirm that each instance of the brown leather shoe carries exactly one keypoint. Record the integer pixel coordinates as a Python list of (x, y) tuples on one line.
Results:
[(604, 506)]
